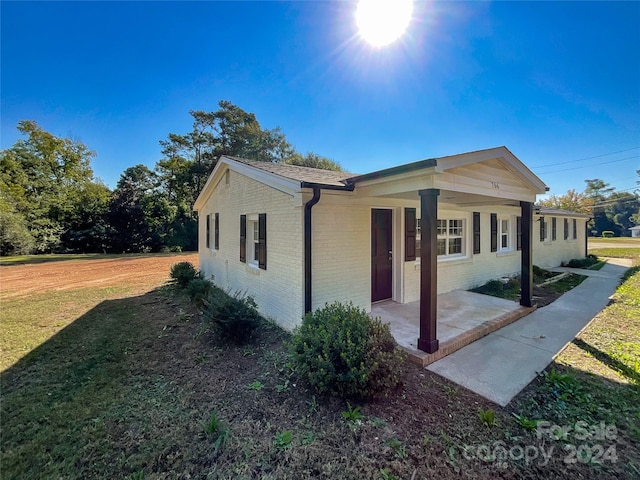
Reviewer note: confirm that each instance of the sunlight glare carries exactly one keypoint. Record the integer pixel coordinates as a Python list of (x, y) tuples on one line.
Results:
[(381, 22)]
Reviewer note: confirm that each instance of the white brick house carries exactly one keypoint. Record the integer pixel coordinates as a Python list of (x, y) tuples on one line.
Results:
[(295, 238)]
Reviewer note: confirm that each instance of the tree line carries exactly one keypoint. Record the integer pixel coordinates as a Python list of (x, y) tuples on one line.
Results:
[(51, 202), (610, 210)]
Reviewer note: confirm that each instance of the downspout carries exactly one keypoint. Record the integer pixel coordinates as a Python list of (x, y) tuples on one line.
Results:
[(307, 247)]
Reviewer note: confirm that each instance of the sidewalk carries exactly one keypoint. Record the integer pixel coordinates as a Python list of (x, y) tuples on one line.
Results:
[(501, 364)]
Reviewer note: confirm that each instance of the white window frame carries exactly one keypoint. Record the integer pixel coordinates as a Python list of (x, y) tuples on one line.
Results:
[(447, 234), (253, 235), (508, 233)]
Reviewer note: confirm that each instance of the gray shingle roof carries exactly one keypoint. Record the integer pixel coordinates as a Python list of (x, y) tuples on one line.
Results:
[(300, 174), (561, 213)]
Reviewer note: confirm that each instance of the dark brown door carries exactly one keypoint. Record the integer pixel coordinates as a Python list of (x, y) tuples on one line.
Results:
[(381, 264)]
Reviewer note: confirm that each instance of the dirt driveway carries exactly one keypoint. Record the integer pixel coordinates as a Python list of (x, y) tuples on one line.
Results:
[(140, 270)]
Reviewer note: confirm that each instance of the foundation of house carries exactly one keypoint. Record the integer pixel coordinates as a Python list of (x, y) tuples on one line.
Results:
[(463, 318)]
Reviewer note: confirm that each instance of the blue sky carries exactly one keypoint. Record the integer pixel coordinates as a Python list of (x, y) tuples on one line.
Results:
[(557, 83)]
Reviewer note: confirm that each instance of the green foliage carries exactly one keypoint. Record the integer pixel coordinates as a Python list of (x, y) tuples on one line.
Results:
[(235, 317), (399, 448), (608, 234), (217, 430), (487, 417), (199, 289), (257, 385), (282, 441), (352, 414), (342, 351), (525, 422), (586, 262), (183, 273), (313, 160)]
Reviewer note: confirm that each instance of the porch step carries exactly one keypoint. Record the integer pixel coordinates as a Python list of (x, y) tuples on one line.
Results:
[(464, 339)]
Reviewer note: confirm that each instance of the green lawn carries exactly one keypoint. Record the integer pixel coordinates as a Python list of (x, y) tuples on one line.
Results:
[(614, 240), (123, 381)]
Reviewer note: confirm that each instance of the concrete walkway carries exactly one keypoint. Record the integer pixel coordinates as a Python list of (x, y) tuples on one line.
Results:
[(501, 364)]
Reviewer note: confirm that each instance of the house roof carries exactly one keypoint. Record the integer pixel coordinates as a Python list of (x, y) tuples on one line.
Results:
[(637, 227), (556, 212), (300, 174), (292, 178)]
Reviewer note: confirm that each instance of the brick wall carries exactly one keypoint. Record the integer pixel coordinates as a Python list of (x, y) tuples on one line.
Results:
[(278, 290)]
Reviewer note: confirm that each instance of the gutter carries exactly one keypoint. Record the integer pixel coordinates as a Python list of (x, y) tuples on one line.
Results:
[(307, 247)]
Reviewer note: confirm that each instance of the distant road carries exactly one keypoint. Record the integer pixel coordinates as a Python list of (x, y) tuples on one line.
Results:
[(629, 244)]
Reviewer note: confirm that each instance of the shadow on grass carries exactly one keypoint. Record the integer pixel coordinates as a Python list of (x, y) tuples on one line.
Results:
[(78, 405), (608, 360)]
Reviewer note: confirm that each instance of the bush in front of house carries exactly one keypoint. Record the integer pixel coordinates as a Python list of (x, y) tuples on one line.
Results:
[(182, 273), (586, 262), (342, 351), (235, 317)]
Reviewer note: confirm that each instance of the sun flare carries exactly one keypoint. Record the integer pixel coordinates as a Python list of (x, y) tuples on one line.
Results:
[(381, 22)]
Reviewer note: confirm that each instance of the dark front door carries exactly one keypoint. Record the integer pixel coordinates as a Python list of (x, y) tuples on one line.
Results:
[(381, 272)]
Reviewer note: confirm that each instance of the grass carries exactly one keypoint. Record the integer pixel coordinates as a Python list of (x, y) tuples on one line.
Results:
[(56, 257), (631, 253), (127, 384), (614, 240), (596, 379)]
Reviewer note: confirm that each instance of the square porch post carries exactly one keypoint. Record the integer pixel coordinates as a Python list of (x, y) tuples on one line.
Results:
[(428, 341), (526, 259)]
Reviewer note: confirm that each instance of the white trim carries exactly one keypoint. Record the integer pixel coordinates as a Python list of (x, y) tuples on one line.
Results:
[(284, 185)]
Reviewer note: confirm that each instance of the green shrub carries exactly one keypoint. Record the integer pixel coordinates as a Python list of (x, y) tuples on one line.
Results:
[(198, 289), (607, 234), (235, 317), (182, 273), (342, 351), (583, 262)]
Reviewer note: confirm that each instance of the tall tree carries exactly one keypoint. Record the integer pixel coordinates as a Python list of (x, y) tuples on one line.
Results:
[(572, 201), (313, 160), (139, 214), (40, 176)]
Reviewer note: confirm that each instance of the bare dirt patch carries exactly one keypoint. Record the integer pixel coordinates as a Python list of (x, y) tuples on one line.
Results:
[(144, 271)]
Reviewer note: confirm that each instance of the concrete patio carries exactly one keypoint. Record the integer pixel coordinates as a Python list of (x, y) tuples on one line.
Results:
[(463, 317)]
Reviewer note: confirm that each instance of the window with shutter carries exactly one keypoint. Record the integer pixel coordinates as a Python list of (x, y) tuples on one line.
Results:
[(566, 229), (208, 232), (494, 232), (476, 232), (409, 234), (543, 229), (519, 233), (575, 228), (262, 241), (554, 226), (216, 232), (243, 238)]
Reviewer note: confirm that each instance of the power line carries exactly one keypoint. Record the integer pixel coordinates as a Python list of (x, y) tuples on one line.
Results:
[(586, 158), (590, 166)]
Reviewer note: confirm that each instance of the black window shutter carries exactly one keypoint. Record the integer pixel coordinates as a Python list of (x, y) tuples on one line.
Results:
[(575, 228), (243, 238), (216, 232), (566, 228), (409, 234), (494, 232), (476, 232), (262, 241), (208, 234), (543, 232), (519, 233), (554, 227)]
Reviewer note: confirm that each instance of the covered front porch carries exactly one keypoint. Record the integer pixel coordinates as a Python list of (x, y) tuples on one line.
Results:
[(470, 216), (462, 318)]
